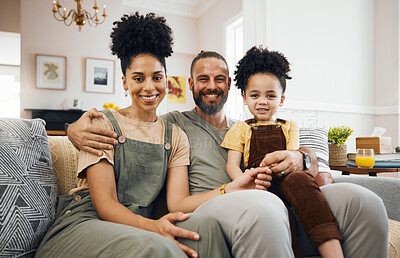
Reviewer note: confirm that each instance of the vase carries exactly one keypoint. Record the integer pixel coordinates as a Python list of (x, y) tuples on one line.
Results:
[(337, 155)]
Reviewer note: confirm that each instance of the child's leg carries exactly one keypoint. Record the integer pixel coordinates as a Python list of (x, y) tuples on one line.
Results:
[(304, 195)]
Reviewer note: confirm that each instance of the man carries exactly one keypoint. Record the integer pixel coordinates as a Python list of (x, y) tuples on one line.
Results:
[(255, 223)]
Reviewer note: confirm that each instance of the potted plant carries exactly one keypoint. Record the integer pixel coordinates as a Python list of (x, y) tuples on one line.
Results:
[(337, 137)]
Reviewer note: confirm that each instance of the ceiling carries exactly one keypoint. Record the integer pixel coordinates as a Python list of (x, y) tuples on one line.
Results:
[(191, 8)]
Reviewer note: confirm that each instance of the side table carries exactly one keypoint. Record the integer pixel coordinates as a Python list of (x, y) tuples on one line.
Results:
[(347, 170)]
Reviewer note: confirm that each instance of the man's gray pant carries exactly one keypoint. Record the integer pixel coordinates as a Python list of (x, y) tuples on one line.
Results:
[(255, 223)]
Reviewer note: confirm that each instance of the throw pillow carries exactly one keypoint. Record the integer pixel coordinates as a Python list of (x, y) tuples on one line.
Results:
[(317, 140), (28, 190)]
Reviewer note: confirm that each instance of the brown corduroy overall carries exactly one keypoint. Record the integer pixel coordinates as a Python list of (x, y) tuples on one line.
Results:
[(298, 189)]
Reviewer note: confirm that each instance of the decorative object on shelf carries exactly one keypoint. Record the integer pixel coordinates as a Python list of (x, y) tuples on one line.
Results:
[(76, 104), (51, 72), (99, 75), (337, 136), (78, 16), (176, 89), (110, 106)]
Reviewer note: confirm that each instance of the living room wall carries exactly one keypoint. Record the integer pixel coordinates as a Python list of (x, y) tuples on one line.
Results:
[(344, 57), (330, 45), (41, 33), (10, 16)]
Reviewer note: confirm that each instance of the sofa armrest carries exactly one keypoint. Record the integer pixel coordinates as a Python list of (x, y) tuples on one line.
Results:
[(385, 187), (64, 158)]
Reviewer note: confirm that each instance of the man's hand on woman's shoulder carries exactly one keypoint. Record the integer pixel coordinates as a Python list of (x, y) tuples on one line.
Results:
[(87, 137)]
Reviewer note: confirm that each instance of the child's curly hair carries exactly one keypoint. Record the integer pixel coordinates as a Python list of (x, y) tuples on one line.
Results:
[(138, 34), (261, 60)]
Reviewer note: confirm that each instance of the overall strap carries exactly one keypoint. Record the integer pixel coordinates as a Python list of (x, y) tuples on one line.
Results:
[(251, 121), (279, 120), (167, 138), (113, 121)]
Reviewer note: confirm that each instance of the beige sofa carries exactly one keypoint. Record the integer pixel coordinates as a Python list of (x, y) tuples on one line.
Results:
[(36, 168), (64, 157)]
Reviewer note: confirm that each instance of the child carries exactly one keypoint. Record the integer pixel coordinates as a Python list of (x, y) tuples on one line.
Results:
[(261, 76)]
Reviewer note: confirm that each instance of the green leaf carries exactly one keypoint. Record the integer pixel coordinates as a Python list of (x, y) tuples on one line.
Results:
[(339, 134)]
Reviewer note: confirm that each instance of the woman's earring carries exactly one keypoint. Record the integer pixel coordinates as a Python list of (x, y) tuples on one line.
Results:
[(126, 93)]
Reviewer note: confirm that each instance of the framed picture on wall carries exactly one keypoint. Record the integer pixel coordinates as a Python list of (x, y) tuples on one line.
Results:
[(51, 72), (176, 89), (99, 75)]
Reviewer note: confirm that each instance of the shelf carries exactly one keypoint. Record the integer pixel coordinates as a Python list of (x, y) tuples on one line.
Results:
[(56, 133)]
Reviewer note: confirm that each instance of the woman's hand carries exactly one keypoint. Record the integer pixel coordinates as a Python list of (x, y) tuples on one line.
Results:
[(166, 226), (87, 137), (254, 178)]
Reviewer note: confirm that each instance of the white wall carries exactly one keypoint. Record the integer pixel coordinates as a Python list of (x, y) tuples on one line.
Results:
[(185, 49), (211, 24), (344, 55), (41, 33), (331, 46), (387, 66)]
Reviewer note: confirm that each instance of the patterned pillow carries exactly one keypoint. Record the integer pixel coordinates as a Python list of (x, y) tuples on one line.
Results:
[(28, 190), (317, 140)]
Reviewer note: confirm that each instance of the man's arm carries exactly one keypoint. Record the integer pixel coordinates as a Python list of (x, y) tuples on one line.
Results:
[(290, 160), (87, 137), (179, 197)]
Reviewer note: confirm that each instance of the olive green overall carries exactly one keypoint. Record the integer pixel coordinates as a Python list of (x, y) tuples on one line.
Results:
[(140, 170)]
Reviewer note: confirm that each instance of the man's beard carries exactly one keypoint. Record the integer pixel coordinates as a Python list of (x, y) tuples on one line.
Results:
[(210, 109)]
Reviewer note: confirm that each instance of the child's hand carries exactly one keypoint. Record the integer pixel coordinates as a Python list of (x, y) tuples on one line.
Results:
[(254, 178)]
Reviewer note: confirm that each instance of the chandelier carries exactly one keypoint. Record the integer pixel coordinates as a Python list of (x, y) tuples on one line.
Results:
[(78, 16)]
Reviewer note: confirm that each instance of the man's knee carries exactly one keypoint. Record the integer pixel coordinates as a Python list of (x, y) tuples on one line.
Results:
[(200, 223), (347, 194), (353, 202), (258, 210)]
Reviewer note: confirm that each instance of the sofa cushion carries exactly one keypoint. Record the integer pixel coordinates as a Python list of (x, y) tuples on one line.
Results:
[(317, 140), (65, 162), (28, 190)]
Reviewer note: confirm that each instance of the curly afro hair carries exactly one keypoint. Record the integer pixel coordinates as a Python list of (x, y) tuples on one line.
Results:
[(261, 60), (138, 34)]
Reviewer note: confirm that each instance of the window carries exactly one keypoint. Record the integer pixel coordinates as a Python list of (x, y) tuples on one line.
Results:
[(234, 52), (9, 91), (10, 58)]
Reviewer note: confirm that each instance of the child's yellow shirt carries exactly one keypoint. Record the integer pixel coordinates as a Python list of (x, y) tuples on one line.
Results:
[(238, 137)]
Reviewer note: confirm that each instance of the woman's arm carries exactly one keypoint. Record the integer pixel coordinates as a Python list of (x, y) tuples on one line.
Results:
[(103, 191), (178, 193), (233, 164)]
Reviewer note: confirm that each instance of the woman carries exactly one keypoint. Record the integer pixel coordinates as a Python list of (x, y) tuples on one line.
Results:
[(114, 218)]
